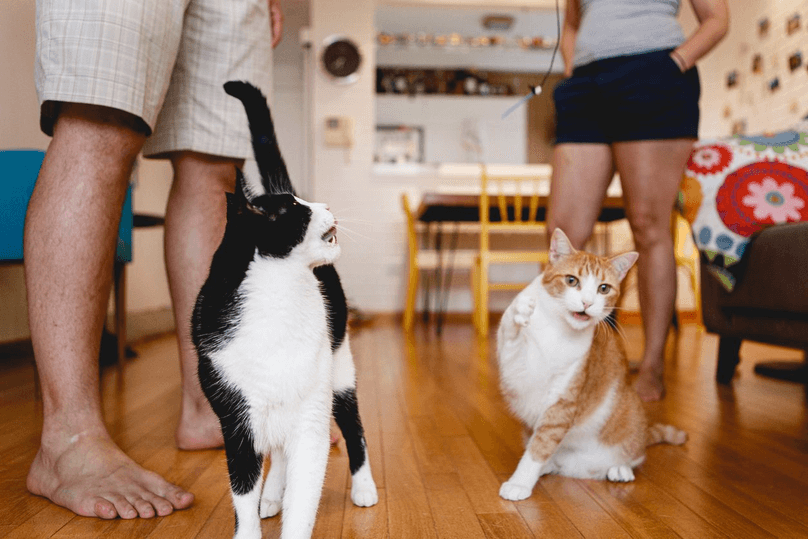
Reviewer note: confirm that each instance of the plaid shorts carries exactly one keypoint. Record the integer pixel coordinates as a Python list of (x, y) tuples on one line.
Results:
[(164, 61)]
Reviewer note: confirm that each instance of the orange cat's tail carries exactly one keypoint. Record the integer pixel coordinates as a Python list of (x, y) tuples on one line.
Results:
[(659, 433)]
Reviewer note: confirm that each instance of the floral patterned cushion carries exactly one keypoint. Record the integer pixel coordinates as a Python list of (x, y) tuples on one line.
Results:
[(735, 187)]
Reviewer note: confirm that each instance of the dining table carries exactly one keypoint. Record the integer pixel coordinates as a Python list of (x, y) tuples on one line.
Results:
[(440, 208)]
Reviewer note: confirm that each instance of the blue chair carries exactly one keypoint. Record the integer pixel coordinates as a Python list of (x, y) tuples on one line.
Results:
[(18, 173)]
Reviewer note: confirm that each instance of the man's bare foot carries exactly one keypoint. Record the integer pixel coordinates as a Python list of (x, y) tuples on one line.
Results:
[(92, 477), (199, 428), (649, 385)]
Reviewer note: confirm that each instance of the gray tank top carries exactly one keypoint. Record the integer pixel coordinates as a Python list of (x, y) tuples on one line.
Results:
[(612, 28)]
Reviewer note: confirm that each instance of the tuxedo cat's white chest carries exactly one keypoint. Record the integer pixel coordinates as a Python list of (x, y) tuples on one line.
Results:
[(280, 348)]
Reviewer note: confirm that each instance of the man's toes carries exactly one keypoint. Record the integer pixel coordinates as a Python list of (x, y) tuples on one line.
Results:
[(102, 508), (162, 506), (144, 508), (179, 498), (122, 506)]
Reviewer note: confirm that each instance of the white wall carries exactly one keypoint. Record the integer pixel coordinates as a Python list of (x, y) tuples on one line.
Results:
[(442, 118), (19, 128), (751, 99)]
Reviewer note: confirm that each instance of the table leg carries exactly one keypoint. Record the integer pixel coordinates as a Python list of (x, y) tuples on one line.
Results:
[(447, 284), (427, 278), (438, 275)]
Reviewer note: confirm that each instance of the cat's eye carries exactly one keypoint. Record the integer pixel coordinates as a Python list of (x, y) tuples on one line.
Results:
[(604, 288), (572, 280)]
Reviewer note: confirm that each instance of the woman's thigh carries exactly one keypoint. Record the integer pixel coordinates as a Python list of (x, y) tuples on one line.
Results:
[(581, 174), (650, 174)]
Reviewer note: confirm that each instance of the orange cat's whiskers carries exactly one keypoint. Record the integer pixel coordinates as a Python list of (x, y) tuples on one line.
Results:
[(621, 332)]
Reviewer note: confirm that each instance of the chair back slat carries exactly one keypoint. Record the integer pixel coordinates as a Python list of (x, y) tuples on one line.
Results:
[(534, 203), (502, 200), (515, 195), (517, 202)]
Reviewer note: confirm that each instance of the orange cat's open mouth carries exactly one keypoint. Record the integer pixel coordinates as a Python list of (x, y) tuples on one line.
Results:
[(581, 316)]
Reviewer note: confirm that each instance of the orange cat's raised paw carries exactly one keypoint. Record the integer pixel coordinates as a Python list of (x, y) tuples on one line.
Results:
[(525, 305)]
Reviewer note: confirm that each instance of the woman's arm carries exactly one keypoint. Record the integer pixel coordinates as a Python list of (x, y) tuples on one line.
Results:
[(713, 16), (572, 20)]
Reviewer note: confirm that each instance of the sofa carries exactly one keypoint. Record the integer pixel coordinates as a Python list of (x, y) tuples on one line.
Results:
[(769, 303), (746, 199)]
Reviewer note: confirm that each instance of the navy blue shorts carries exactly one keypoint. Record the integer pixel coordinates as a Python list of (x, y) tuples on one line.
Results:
[(638, 97)]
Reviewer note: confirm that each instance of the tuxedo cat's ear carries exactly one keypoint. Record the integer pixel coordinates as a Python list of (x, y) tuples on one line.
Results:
[(622, 263), (243, 196), (560, 246)]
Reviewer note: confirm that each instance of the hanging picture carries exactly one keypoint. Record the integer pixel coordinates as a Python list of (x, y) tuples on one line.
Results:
[(793, 24), (757, 64), (732, 79), (763, 27), (795, 61), (739, 127)]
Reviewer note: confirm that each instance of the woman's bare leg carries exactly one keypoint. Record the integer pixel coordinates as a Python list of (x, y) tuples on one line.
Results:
[(581, 175), (650, 173)]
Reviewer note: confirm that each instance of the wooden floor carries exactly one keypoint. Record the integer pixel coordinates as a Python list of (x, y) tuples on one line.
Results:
[(441, 443)]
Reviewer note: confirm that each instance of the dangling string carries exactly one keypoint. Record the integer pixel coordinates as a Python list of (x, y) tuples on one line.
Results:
[(536, 90)]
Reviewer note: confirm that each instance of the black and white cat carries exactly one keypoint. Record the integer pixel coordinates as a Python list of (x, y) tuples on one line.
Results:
[(269, 327)]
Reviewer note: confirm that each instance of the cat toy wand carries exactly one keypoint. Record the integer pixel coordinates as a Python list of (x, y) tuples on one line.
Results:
[(536, 90)]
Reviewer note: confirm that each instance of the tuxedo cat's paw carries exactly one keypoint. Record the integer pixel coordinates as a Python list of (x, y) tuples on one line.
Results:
[(364, 495), (525, 306), (269, 508), (514, 492), (620, 474)]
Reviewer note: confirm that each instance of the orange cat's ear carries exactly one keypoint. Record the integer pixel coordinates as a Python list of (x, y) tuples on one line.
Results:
[(622, 263), (560, 246)]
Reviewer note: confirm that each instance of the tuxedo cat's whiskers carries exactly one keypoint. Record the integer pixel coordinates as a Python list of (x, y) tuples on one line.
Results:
[(351, 234), (564, 373)]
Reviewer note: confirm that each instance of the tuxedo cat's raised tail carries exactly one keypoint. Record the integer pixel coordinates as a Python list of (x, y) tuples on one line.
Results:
[(274, 176), (269, 327)]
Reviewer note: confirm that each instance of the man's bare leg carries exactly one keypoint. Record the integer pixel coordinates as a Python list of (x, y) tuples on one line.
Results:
[(70, 236), (195, 221)]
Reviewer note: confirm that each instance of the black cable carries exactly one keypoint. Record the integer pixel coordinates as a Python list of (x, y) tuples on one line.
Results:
[(536, 90)]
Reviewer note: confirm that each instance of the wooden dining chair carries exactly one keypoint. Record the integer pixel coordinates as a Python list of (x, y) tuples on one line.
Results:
[(514, 207), (687, 256), (422, 258)]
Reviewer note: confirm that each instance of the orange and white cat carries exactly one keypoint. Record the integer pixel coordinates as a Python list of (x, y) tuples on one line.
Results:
[(564, 373)]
